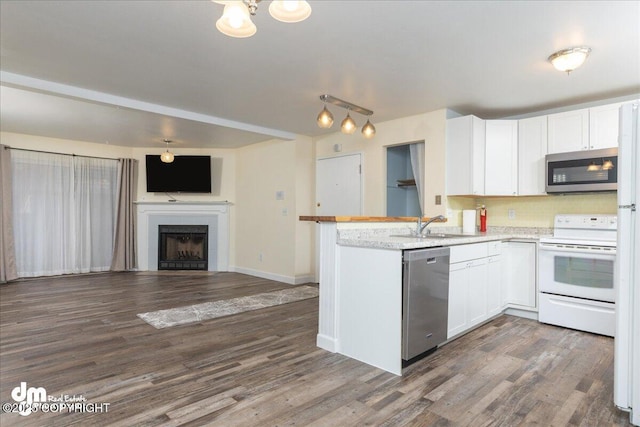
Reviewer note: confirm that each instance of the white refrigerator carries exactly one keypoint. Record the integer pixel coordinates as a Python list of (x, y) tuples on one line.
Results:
[(627, 267)]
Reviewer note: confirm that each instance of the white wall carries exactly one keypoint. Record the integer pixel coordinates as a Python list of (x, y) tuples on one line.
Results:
[(429, 127), (223, 168), (270, 240), (54, 145)]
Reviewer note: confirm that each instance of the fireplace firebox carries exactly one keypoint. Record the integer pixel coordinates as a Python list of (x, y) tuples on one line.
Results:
[(182, 247)]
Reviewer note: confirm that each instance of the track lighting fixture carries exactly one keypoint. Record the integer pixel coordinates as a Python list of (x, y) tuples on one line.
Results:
[(348, 125)]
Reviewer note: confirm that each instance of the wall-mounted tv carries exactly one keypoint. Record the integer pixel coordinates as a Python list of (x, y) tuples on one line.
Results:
[(186, 174)]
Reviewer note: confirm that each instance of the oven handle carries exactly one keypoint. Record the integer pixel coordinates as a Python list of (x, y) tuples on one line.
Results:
[(577, 250)]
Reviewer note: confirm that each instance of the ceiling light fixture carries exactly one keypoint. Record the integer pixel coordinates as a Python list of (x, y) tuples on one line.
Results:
[(236, 17), (348, 126), (325, 118), (368, 130), (569, 59), (167, 156)]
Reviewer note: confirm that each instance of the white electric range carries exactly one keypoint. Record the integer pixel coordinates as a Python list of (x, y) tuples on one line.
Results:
[(575, 273)]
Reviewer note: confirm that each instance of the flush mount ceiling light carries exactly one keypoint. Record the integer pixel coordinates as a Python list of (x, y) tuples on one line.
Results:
[(348, 126), (569, 59), (167, 156), (236, 17)]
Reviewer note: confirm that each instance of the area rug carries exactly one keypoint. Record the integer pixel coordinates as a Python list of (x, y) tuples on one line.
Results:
[(211, 310)]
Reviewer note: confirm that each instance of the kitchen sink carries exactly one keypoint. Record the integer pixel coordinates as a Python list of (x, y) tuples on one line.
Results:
[(431, 236)]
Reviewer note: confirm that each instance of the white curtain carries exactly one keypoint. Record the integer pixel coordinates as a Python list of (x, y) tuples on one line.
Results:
[(416, 151), (64, 213)]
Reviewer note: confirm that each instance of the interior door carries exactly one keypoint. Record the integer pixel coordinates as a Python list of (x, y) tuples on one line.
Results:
[(339, 186)]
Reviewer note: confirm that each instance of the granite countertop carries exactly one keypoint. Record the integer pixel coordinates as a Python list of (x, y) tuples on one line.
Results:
[(384, 239), (341, 219)]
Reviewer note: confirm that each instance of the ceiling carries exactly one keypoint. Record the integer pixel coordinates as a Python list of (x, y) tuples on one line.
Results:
[(132, 73)]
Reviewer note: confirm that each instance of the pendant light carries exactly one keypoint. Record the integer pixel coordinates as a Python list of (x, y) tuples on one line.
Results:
[(167, 156), (348, 125), (368, 130), (607, 165), (325, 118)]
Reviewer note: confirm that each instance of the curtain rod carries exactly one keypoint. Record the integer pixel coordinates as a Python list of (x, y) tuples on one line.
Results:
[(6, 147)]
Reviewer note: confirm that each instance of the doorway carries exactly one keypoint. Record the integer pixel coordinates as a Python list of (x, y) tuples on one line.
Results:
[(402, 191)]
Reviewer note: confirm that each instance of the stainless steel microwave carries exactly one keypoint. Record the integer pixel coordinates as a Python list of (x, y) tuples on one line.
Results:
[(582, 171)]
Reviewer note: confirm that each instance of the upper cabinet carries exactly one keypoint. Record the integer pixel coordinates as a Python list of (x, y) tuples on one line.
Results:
[(532, 147), (507, 157), (501, 158), (465, 156), (603, 126), (568, 131), (586, 129)]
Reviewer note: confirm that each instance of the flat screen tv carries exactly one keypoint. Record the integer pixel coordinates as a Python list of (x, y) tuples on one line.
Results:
[(186, 174)]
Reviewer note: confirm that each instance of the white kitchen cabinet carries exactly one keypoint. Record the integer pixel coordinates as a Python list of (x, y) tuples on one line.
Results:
[(494, 278), (568, 131), (603, 126), (532, 148), (476, 291), (467, 295), (501, 158), (457, 314), (519, 275), (494, 285), (465, 148), (467, 287)]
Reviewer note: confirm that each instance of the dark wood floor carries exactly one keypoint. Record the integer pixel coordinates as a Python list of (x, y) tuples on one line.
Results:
[(80, 336)]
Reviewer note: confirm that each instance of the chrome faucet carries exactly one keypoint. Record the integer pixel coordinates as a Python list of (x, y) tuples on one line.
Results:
[(421, 226)]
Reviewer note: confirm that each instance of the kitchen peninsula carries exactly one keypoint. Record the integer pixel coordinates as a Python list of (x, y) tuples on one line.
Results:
[(360, 269)]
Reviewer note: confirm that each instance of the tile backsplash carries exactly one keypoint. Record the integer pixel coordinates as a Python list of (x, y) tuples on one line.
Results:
[(537, 211)]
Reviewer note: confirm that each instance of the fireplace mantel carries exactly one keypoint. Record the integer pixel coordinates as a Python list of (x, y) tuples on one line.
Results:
[(152, 214)]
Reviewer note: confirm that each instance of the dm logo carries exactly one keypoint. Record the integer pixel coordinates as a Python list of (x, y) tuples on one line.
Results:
[(29, 396)]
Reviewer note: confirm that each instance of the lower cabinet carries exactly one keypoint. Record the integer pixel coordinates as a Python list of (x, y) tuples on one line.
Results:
[(494, 285), (473, 296), (519, 275), (486, 278)]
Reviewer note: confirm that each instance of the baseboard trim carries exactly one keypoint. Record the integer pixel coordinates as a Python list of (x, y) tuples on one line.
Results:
[(527, 314), (327, 343), (290, 280)]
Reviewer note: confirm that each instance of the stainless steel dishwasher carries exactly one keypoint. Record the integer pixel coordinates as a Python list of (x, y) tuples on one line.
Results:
[(425, 298)]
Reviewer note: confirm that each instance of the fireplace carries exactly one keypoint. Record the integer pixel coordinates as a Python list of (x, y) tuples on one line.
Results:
[(183, 247)]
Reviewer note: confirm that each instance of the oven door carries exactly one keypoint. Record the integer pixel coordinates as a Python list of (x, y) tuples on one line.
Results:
[(577, 271)]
